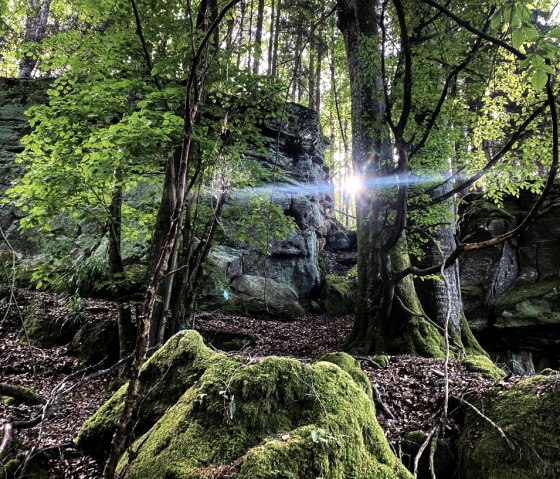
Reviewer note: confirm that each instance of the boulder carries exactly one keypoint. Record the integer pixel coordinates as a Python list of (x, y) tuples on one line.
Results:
[(339, 295), (274, 418), (264, 298), (529, 417), (511, 291), (164, 378), (49, 331), (97, 342)]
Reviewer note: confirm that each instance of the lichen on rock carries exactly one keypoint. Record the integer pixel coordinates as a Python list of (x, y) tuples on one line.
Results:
[(271, 419), (529, 415)]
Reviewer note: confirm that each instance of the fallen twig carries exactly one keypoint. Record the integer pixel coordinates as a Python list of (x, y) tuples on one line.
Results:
[(380, 403)]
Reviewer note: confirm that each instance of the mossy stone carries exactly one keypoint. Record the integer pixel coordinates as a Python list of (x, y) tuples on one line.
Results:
[(381, 361), (339, 295), (48, 331), (97, 342), (163, 379), (352, 366), (484, 365), (529, 415), (273, 419)]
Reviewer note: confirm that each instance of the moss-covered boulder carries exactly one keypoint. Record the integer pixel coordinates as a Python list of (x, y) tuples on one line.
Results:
[(49, 331), (529, 415), (163, 379), (97, 342), (483, 365), (276, 418), (352, 366), (339, 293)]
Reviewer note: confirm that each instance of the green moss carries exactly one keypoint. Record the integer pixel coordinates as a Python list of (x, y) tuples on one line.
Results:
[(483, 365), (273, 419), (419, 338), (352, 366), (470, 344), (339, 295), (97, 342), (381, 361), (163, 379), (472, 290), (48, 331), (529, 415), (529, 291), (12, 469)]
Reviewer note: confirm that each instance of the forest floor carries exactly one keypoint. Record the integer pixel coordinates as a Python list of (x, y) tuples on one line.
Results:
[(409, 391)]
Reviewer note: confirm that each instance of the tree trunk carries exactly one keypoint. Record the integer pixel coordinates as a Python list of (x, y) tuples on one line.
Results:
[(317, 92), (117, 275), (434, 293), (311, 74), (35, 28), (271, 39), (258, 37), (274, 71), (163, 222), (389, 316)]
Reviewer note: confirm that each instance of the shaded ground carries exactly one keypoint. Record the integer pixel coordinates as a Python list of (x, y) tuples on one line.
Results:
[(411, 389)]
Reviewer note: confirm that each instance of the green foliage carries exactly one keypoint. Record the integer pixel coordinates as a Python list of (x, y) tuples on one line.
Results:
[(76, 278), (258, 222)]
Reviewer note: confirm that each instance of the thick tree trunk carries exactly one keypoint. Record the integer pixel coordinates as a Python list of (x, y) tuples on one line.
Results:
[(436, 296), (389, 316)]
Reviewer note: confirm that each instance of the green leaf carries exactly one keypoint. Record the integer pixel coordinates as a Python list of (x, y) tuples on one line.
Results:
[(539, 79), (517, 37)]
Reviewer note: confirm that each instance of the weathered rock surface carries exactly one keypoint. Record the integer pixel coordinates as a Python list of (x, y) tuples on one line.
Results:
[(15, 97), (511, 291), (288, 272), (275, 418), (529, 417), (297, 182)]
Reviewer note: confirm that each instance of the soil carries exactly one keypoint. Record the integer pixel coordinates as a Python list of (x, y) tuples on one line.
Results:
[(410, 390)]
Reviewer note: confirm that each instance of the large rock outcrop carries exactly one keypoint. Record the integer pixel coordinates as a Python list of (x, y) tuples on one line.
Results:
[(511, 291), (247, 278), (270, 419), (15, 97), (276, 280)]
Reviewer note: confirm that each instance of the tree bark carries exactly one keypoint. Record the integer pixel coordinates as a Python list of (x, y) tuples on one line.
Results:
[(389, 316), (258, 37), (35, 29), (117, 275), (274, 70)]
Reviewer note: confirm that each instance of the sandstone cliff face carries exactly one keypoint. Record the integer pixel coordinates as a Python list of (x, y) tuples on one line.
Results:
[(250, 280), (512, 291), (273, 283), (15, 97)]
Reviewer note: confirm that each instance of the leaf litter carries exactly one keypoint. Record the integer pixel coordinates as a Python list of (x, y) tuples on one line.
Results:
[(410, 388)]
